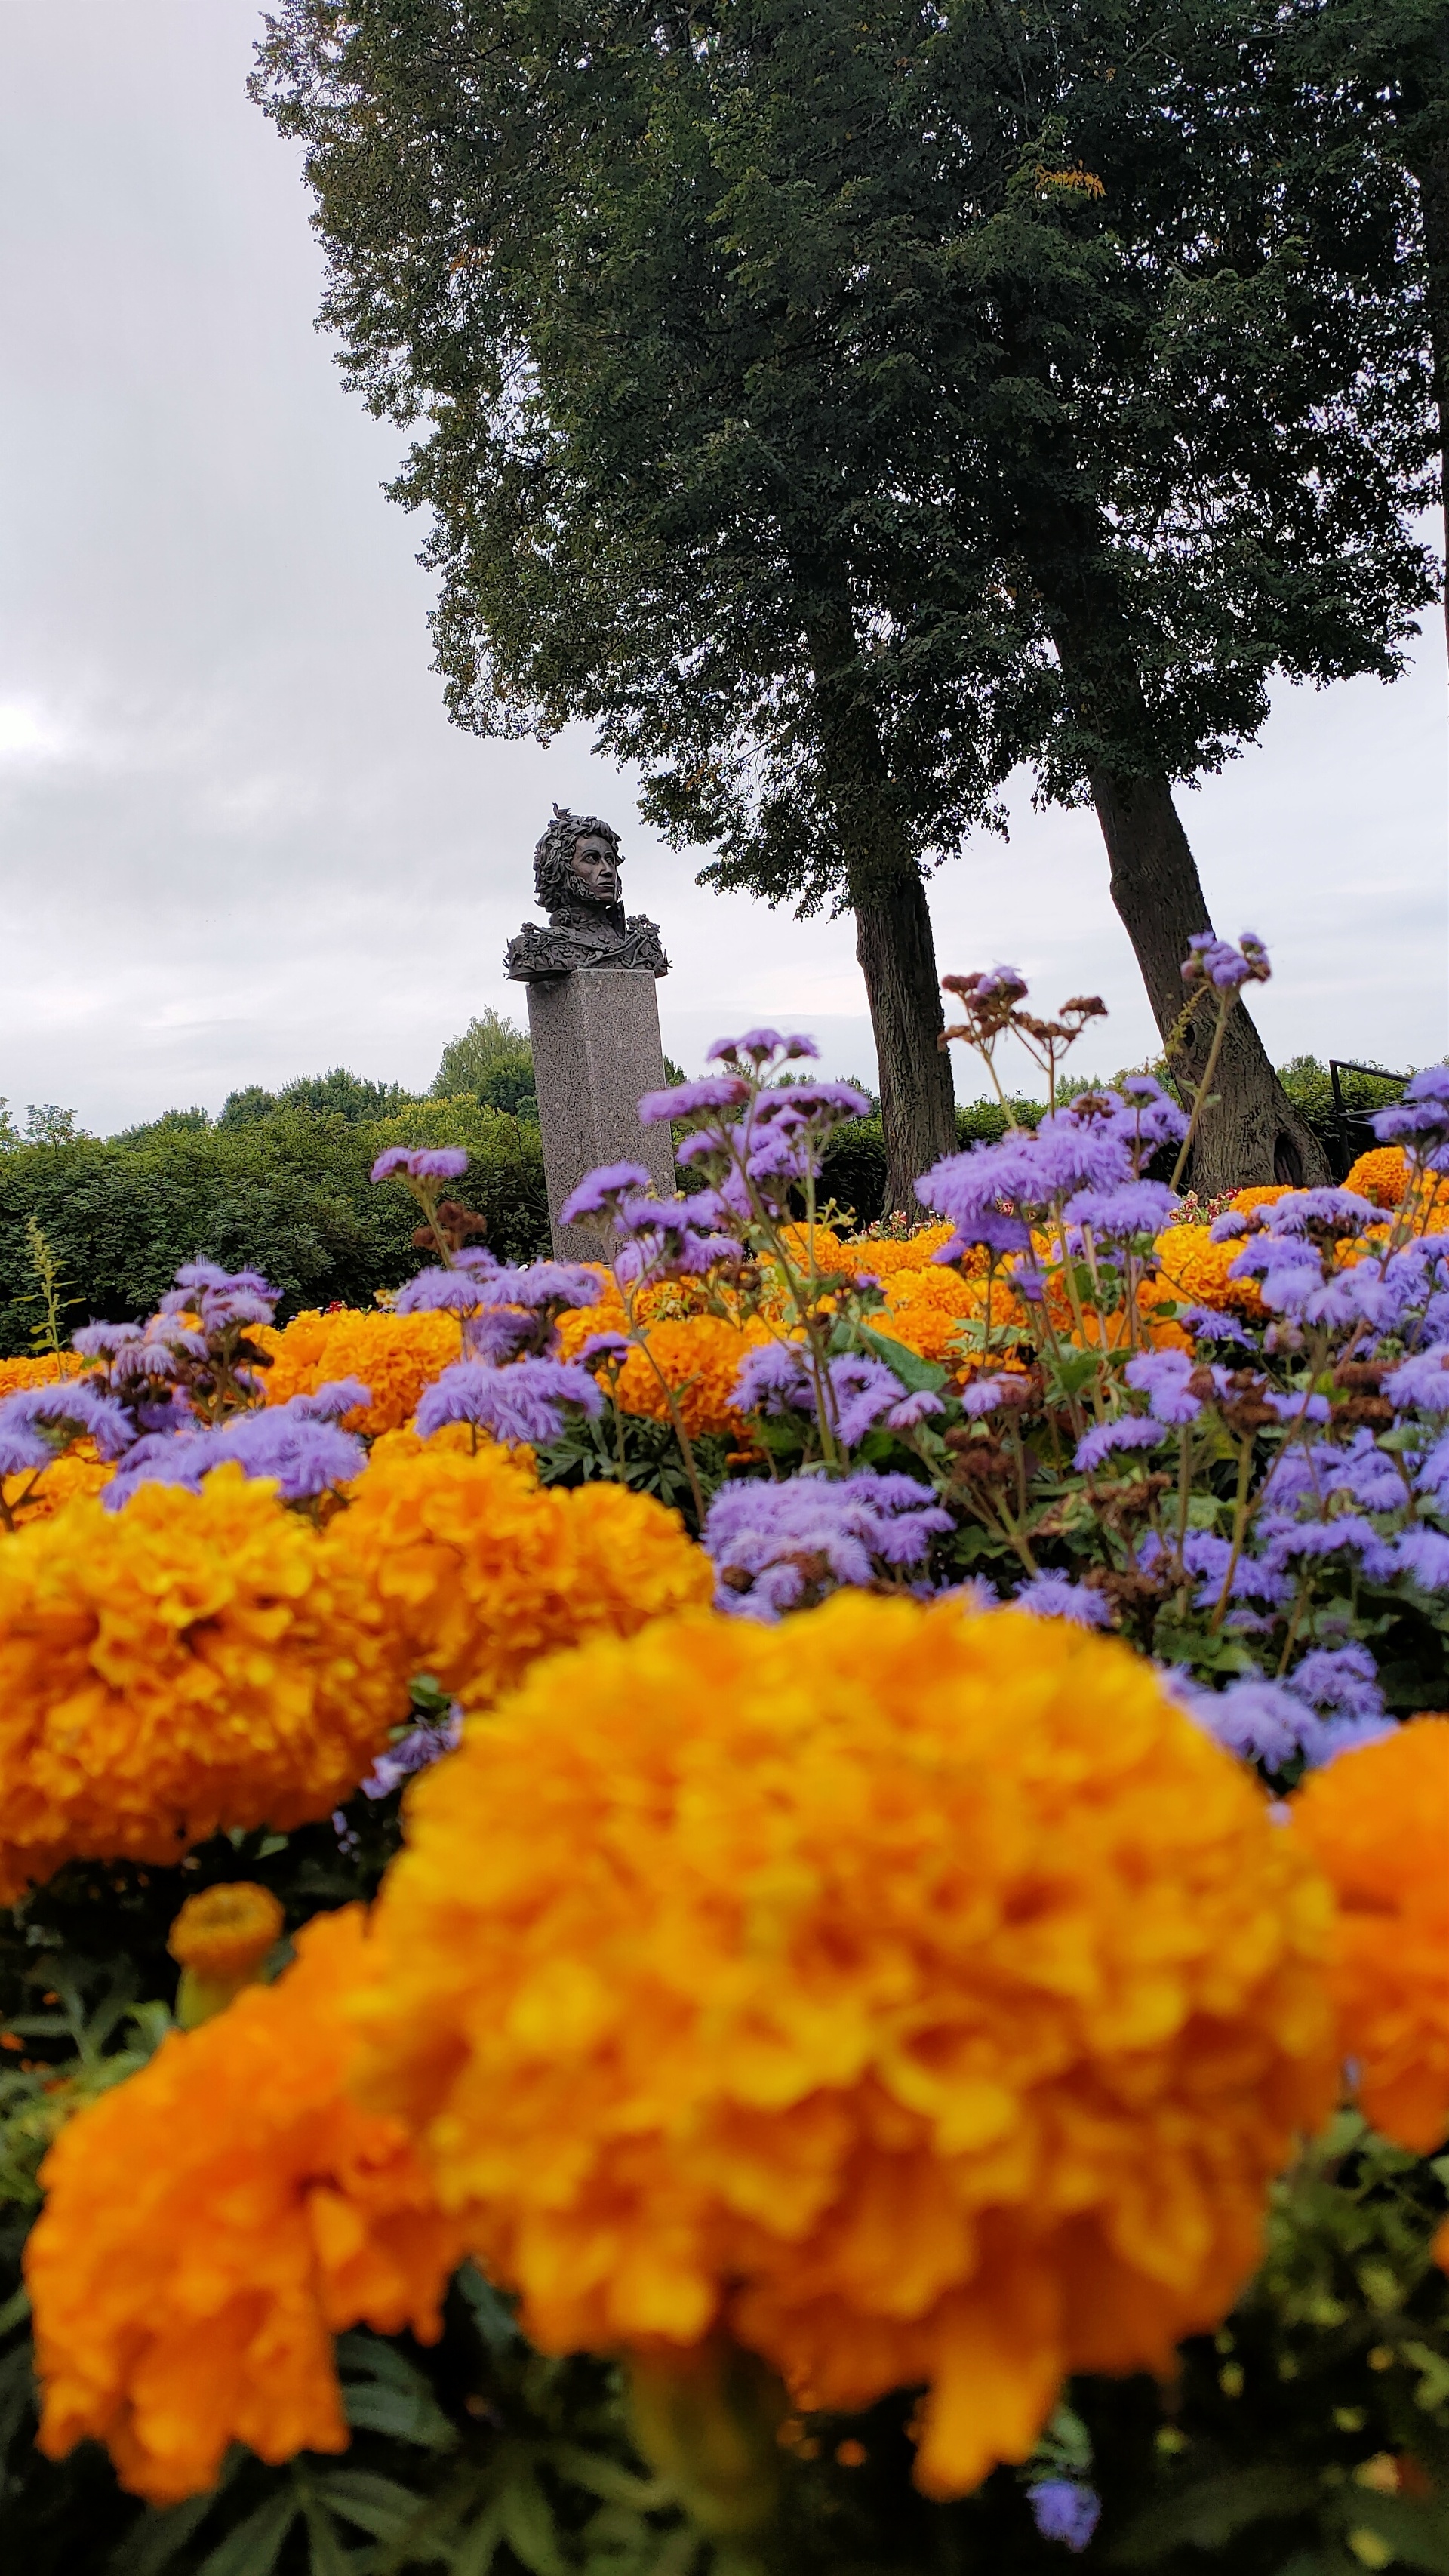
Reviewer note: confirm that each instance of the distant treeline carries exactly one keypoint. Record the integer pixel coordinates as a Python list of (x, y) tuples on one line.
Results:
[(279, 1181)]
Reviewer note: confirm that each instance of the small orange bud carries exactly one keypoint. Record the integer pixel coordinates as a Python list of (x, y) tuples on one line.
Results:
[(220, 1938)]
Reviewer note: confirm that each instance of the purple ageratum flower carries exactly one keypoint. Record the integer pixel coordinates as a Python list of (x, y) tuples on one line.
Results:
[(421, 1163), (1064, 2509), (913, 1409), (1421, 1384), (304, 1456), (499, 1334), (865, 1391), (447, 1292), (1420, 1121), (758, 1044), (1139, 1207), (1259, 1720), (605, 1346), (770, 1542), (691, 1099), (1055, 1596), (522, 1403), (330, 1402), (598, 1190), (990, 1395), (37, 1423), (1099, 1444), (1342, 1679), (771, 1377), (1152, 1115), (416, 1751), (1163, 1377), (546, 1283), (1217, 962), (1423, 1554)]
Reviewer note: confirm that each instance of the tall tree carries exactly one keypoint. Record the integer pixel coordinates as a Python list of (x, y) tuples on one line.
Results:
[(838, 408), (1383, 66)]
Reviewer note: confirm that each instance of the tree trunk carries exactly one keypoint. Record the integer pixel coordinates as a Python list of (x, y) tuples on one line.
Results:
[(893, 939), (1256, 1135), (897, 954)]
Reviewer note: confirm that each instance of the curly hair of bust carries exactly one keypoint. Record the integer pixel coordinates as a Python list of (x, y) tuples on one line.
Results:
[(554, 884)]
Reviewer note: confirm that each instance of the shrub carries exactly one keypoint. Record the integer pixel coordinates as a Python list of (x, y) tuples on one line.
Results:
[(287, 1192)]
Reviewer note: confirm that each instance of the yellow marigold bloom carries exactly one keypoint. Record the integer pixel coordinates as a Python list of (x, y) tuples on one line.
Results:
[(193, 1663), (479, 1570), (921, 1998), (398, 1356), (213, 2222), (1377, 1823)]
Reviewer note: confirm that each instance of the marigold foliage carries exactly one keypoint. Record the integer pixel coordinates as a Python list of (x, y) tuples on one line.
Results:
[(1377, 1823), (212, 2223), (397, 1356), (477, 1569), (922, 1997), (195, 1663)]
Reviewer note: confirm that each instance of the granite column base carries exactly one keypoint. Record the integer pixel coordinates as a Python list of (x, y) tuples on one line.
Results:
[(596, 1049)]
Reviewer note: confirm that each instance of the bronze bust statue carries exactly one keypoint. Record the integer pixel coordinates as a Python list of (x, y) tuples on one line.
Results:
[(576, 881)]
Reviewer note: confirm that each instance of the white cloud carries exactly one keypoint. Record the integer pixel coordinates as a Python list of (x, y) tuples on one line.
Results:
[(239, 839)]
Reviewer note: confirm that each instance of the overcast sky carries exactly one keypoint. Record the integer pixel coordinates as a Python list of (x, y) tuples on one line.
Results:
[(240, 840)]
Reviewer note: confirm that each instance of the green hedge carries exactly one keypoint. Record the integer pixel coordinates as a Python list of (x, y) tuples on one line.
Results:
[(287, 1194)]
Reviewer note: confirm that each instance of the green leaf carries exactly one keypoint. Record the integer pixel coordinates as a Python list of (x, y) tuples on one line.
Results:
[(604, 2477), (916, 1375), (15, 2310), (475, 2553), (153, 2542), (384, 2392), (254, 2546), (378, 2505), (1417, 2533), (1209, 2513), (528, 2525), (492, 2316)]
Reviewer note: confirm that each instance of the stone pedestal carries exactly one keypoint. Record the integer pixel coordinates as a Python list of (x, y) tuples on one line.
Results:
[(596, 1049)]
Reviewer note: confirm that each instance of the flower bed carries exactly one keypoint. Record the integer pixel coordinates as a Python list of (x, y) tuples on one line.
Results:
[(808, 1875)]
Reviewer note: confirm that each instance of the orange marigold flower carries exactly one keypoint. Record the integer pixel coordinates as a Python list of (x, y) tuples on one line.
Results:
[(1192, 1270), (903, 1252), (212, 2223), (226, 1931), (38, 1494), (194, 1663), (44, 1368), (478, 1569), (397, 1356), (925, 1309), (921, 1998), (1260, 1194), (1377, 1823), (1382, 1175)]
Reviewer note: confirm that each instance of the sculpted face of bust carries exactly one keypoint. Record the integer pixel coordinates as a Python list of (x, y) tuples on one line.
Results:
[(595, 870)]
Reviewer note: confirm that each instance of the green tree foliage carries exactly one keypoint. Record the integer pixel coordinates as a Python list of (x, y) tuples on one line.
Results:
[(1377, 72), (338, 1094), (837, 410), (288, 1193), (492, 1061)]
